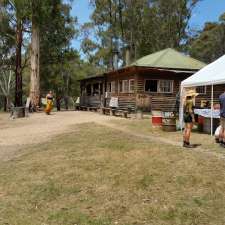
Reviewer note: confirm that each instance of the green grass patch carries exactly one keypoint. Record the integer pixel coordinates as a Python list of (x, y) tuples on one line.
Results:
[(98, 176)]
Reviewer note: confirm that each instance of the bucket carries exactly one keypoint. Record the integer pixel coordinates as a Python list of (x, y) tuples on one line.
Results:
[(169, 124), (157, 120)]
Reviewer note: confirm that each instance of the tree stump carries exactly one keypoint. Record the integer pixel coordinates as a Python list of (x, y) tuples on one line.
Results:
[(18, 112)]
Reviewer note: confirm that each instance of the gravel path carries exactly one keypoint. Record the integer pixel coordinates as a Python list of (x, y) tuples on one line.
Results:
[(38, 128)]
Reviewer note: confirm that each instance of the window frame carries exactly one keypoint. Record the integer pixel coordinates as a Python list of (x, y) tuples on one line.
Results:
[(123, 86), (113, 87), (158, 86), (131, 80), (120, 82), (205, 90)]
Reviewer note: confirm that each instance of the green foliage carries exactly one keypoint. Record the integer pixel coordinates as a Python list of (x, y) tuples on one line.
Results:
[(209, 44), (55, 55), (144, 26), (60, 65)]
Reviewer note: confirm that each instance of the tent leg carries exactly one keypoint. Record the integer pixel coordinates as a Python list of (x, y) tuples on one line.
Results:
[(212, 110), (181, 110)]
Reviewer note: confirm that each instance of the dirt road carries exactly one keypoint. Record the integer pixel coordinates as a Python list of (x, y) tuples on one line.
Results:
[(38, 128)]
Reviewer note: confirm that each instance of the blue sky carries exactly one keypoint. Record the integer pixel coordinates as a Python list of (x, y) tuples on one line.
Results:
[(207, 10)]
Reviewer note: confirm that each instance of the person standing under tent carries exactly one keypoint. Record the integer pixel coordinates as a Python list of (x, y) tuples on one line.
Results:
[(222, 119), (188, 118)]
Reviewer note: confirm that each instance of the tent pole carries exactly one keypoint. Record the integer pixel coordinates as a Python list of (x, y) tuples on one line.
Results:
[(212, 110), (181, 110)]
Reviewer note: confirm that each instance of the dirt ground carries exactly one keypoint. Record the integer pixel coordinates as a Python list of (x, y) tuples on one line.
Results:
[(39, 128)]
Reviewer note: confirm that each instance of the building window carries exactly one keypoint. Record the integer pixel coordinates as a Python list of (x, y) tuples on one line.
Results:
[(113, 86), (120, 86), (109, 87), (125, 86), (201, 90), (151, 85), (131, 86), (165, 86), (101, 88), (88, 89), (96, 89), (159, 86)]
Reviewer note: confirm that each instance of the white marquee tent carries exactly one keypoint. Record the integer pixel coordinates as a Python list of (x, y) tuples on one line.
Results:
[(211, 74)]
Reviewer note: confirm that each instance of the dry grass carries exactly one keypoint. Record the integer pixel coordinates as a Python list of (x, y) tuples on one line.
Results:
[(97, 176), (145, 127)]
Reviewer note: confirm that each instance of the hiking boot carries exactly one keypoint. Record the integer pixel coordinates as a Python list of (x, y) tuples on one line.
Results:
[(187, 145), (222, 144)]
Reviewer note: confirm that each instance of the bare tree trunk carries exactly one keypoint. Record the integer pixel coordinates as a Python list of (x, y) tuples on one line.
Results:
[(18, 71), (5, 104), (35, 76)]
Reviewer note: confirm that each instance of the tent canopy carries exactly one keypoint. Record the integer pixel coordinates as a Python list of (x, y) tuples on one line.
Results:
[(211, 74)]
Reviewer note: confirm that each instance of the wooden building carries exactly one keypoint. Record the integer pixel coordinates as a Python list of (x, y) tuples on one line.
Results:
[(150, 83)]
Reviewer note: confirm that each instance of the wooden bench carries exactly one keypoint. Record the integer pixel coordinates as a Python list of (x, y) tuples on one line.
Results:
[(114, 111), (87, 108), (81, 108), (92, 108), (109, 111), (124, 113)]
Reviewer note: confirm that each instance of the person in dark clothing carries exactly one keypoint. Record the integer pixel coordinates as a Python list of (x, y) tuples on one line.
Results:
[(58, 103), (222, 119), (188, 118)]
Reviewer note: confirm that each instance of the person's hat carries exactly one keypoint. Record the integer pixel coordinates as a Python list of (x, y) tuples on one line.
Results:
[(191, 93)]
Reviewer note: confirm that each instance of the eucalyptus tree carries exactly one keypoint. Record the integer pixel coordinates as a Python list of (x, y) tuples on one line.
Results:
[(143, 26), (7, 83), (36, 14), (209, 43), (55, 50), (15, 17)]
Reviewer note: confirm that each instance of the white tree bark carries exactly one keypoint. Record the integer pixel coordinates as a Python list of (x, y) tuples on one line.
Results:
[(35, 76), (6, 85)]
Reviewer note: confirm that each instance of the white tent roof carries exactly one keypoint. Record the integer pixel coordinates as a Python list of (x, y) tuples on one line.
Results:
[(213, 73)]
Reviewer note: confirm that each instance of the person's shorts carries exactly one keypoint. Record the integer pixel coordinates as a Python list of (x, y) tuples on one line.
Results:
[(222, 122), (188, 118)]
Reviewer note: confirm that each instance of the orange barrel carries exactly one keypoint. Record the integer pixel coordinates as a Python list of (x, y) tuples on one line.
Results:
[(156, 118)]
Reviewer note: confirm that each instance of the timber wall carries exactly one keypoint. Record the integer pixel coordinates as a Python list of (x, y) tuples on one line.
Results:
[(158, 101)]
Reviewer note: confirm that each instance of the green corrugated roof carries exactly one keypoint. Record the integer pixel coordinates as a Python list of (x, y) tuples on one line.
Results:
[(169, 58)]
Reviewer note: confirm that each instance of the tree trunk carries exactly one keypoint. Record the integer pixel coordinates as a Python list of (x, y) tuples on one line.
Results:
[(5, 104), (8, 104), (35, 76), (18, 71)]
